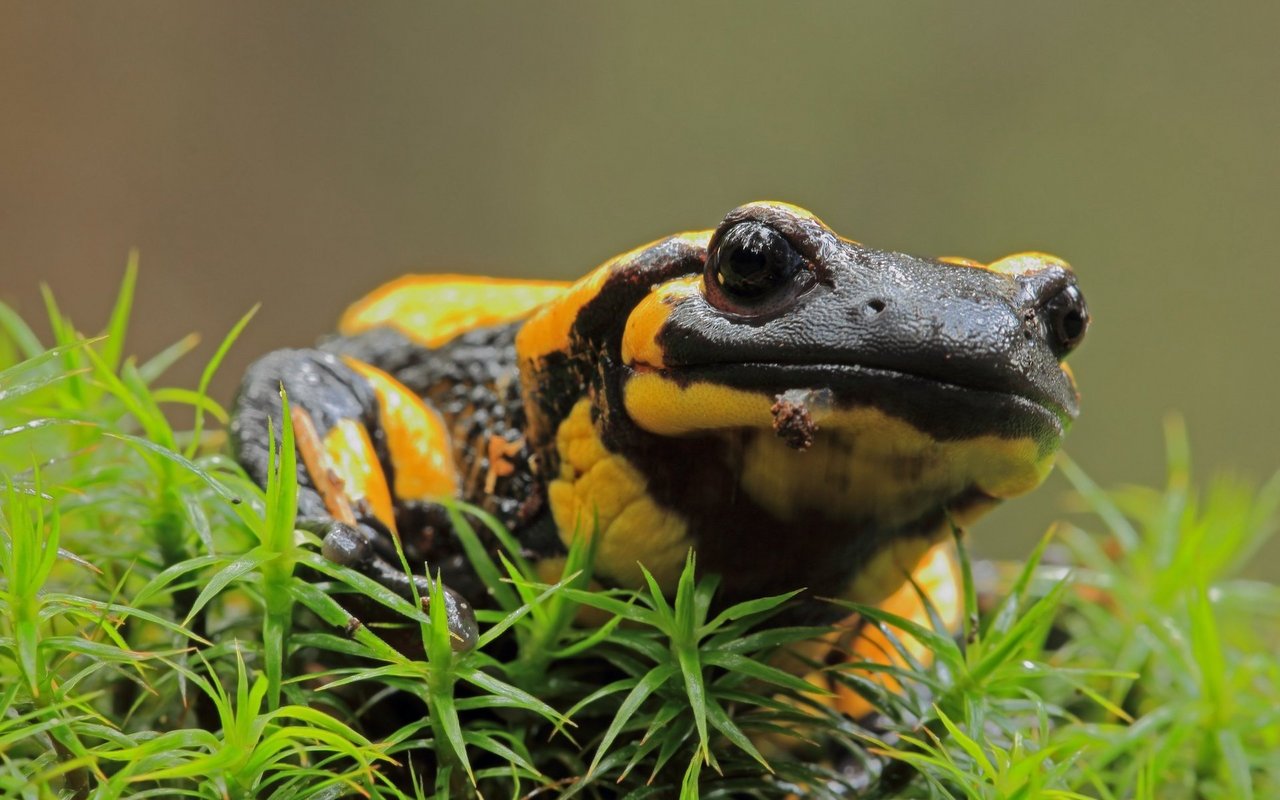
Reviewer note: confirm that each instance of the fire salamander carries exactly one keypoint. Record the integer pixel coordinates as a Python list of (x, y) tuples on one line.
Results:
[(802, 410)]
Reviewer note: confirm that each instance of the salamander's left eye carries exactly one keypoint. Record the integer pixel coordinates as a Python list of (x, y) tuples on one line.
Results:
[(753, 269)]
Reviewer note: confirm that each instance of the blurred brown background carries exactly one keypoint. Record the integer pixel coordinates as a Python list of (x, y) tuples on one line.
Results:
[(300, 153)]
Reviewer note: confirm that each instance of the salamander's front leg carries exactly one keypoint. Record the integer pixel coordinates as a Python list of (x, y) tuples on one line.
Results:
[(350, 546), (353, 422)]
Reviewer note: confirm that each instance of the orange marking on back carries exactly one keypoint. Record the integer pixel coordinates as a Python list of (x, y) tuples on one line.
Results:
[(314, 458), (354, 465), (432, 309), (1026, 263), (547, 331), (417, 438), (500, 452)]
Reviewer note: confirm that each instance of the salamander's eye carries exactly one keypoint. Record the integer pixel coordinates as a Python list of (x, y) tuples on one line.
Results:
[(753, 269), (1068, 318)]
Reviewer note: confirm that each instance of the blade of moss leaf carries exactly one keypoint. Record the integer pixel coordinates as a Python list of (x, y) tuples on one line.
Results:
[(118, 323), (510, 619), (970, 622), (211, 368), (242, 566), (598, 635), (28, 343), (643, 688), (480, 560), (441, 706), (762, 672), (362, 583), (748, 608), (518, 698), (1040, 613), (940, 644), (1100, 503), (182, 461), (1007, 612), (695, 689), (157, 365), (971, 747), (665, 613), (618, 608), (483, 741), (765, 639), (720, 721), (604, 691)]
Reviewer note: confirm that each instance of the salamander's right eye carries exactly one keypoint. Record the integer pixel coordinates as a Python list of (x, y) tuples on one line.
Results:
[(1067, 317)]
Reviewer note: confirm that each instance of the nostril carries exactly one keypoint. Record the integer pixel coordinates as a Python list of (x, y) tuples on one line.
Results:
[(875, 306)]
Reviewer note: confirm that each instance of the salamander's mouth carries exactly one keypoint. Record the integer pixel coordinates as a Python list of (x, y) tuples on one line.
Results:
[(895, 440), (943, 409)]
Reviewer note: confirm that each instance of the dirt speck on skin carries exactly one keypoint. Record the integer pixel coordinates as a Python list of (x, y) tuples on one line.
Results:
[(792, 419)]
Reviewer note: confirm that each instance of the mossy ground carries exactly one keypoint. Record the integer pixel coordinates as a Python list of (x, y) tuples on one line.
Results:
[(164, 631)]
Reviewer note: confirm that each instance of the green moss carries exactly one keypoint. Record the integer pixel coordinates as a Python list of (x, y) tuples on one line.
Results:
[(164, 631)]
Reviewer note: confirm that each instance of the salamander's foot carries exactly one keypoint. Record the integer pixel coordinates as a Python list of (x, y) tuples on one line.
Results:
[(352, 546)]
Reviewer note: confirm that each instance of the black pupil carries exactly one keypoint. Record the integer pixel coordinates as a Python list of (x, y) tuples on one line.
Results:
[(1072, 325), (754, 260), (1070, 319)]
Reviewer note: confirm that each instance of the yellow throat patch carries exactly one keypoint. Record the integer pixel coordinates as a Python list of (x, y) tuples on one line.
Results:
[(600, 493), (864, 462)]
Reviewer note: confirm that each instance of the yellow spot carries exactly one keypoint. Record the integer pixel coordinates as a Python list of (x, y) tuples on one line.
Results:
[(600, 493), (416, 438), (640, 338), (865, 462), (355, 466), (1018, 264), (547, 331), (1026, 263), (793, 210), (432, 309), (662, 406), (862, 462), (1071, 376)]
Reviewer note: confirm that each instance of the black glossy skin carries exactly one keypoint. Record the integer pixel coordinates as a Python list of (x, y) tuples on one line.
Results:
[(956, 351), (871, 317), (462, 379)]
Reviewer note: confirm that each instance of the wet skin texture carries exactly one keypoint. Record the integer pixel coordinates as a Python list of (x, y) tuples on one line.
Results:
[(800, 409)]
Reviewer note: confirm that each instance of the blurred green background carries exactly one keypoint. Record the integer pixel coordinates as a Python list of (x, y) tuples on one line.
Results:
[(300, 153)]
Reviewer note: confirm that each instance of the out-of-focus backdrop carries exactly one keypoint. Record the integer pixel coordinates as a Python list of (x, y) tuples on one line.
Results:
[(297, 154)]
